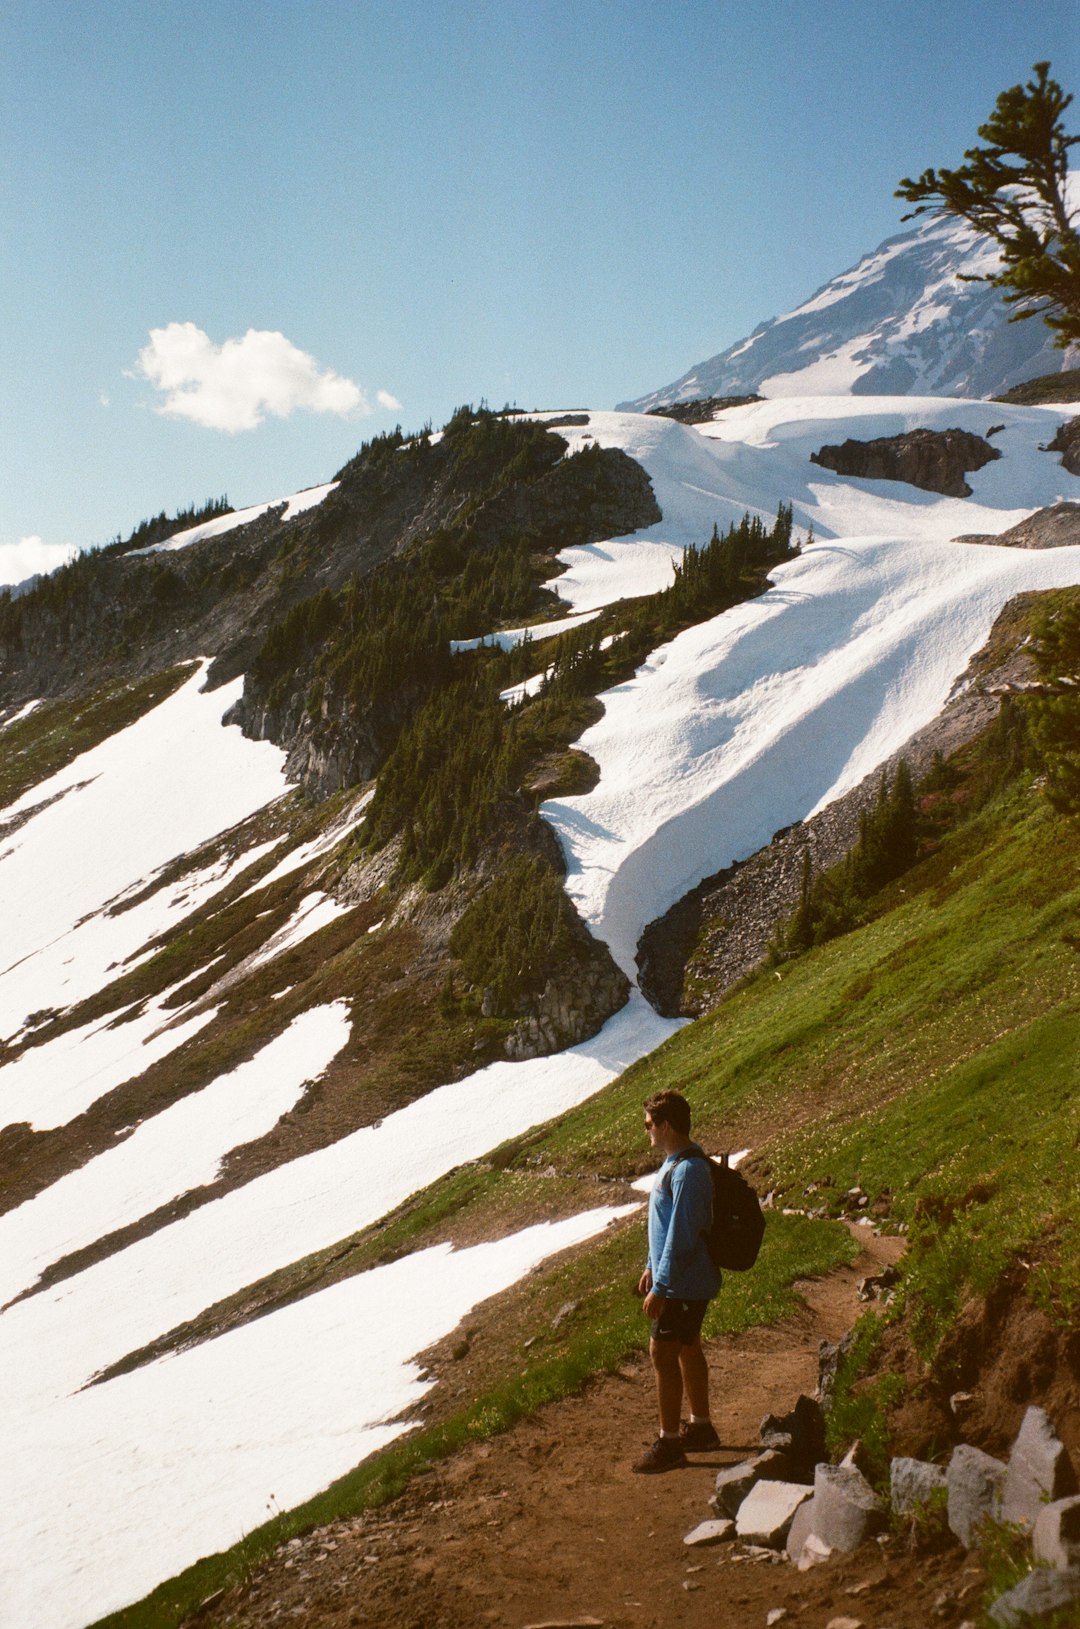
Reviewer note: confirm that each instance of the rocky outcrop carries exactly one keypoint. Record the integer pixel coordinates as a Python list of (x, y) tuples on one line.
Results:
[(1067, 443), (934, 460), (573, 1006), (832, 1510), (1057, 527), (702, 409)]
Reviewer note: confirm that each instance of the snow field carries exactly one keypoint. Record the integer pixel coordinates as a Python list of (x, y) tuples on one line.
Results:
[(51, 1084), (179, 1149), (19, 713), (763, 715), (191, 1452), (159, 788), (314, 912), (52, 1343), (325, 843)]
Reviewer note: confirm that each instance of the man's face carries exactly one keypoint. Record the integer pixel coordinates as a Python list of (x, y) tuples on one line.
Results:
[(653, 1128)]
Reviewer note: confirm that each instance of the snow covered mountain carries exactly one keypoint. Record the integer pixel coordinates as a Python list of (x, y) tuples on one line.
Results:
[(203, 988), (900, 321)]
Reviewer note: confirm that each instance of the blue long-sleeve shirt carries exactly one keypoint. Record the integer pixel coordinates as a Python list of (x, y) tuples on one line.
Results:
[(680, 1211)]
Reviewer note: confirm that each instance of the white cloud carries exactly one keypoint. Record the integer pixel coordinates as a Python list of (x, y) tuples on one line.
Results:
[(31, 557), (384, 399), (236, 385)]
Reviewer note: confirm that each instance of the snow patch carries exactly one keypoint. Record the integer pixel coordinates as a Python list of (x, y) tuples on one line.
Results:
[(173, 1152)]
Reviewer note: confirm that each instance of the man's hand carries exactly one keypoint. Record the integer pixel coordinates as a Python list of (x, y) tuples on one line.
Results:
[(653, 1305), (645, 1282)]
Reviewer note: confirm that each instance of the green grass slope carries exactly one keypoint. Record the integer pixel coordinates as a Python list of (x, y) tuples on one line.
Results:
[(929, 1058)]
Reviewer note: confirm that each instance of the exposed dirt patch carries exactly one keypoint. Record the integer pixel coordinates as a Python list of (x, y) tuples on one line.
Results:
[(1001, 1354), (547, 1525)]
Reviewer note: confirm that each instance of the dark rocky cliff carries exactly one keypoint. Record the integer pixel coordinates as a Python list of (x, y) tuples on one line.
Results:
[(935, 460)]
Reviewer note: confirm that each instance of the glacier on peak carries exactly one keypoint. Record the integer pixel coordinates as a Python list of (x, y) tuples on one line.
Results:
[(901, 321)]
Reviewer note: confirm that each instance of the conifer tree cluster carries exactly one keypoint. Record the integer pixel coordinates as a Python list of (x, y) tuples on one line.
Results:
[(834, 901), (453, 766), (1055, 708), (515, 932)]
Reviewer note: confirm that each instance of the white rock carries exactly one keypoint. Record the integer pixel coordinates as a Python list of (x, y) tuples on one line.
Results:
[(714, 1532), (1056, 1539), (766, 1513), (814, 1551), (974, 1481), (1039, 1469)]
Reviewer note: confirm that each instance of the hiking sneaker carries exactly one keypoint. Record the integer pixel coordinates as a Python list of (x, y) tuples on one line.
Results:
[(666, 1454), (698, 1436)]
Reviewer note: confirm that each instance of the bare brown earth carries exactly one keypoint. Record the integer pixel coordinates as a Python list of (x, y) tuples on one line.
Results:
[(546, 1525)]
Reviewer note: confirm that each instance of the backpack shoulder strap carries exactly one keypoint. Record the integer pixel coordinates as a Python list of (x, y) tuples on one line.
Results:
[(694, 1153)]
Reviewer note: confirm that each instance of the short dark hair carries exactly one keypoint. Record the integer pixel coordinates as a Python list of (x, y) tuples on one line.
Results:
[(672, 1108)]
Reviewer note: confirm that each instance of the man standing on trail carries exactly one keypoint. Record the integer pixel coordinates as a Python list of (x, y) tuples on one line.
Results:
[(678, 1283)]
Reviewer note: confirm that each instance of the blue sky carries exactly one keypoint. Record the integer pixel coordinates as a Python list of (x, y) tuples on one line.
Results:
[(238, 239)]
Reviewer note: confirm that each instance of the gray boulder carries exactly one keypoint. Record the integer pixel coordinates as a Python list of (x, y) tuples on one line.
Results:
[(1039, 1470), (734, 1482), (846, 1508), (911, 1482), (974, 1481), (1056, 1539), (802, 1525), (766, 1513), (1043, 1591)]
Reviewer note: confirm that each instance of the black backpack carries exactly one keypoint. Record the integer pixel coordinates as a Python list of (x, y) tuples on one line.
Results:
[(738, 1221)]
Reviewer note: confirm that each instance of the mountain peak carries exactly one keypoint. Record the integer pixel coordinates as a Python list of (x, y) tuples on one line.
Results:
[(902, 321)]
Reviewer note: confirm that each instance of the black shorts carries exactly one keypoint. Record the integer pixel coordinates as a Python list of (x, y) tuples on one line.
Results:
[(680, 1321)]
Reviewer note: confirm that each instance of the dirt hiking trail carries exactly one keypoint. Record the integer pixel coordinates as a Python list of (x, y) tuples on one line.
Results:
[(546, 1525)]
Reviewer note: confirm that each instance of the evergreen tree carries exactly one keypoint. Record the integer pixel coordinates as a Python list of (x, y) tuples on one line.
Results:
[(1013, 191), (1055, 708)]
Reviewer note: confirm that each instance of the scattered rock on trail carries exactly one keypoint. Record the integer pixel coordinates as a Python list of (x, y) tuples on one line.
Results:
[(842, 1510), (734, 1482), (912, 1482), (846, 1510), (766, 1513), (974, 1481), (799, 1435), (1039, 1470), (714, 1532), (1056, 1538), (1042, 1592)]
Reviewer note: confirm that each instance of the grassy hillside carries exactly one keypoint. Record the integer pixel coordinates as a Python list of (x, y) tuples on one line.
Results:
[(928, 1059)]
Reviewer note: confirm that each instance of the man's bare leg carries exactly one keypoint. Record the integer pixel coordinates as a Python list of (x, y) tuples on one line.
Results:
[(667, 1362), (695, 1377)]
